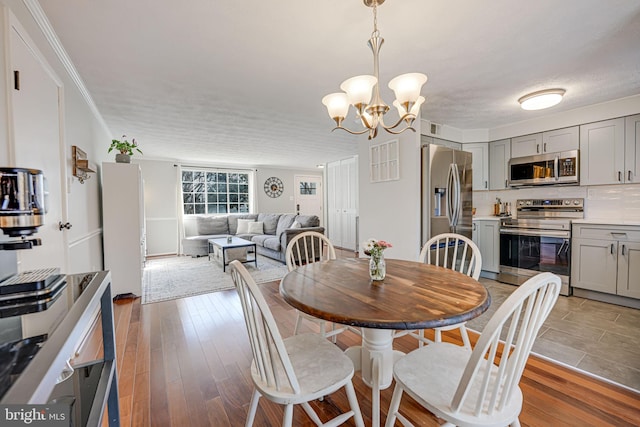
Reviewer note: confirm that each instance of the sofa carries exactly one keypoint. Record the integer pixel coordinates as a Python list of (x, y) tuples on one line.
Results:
[(271, 236)]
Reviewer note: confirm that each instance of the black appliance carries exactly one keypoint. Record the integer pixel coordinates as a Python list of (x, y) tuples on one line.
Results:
[(538, 240)]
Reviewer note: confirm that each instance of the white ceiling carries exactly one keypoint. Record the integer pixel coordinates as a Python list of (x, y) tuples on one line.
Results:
[(240, 82)]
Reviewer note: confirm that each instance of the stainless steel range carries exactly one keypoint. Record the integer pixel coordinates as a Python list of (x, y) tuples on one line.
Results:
[(538, 240)]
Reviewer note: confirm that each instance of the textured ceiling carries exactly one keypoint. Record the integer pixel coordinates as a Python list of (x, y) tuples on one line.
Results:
[(240, 82)]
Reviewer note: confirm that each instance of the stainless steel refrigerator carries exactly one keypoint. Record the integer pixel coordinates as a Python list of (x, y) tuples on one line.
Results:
[(446, 191)]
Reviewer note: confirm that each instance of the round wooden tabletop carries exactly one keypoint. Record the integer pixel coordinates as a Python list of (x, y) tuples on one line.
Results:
[(413, 295)]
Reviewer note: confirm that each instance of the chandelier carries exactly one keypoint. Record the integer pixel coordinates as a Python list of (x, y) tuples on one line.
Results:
[(363, 93)]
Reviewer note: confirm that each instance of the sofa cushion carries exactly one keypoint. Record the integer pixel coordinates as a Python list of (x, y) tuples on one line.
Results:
[(296, 224), (284, 222), (255, 227), (212, 225), (233, 221), (270, 222), (272, 243), (308, 220), (259, 239)]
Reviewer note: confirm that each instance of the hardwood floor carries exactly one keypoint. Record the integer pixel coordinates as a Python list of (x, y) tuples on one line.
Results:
[(186, 363)]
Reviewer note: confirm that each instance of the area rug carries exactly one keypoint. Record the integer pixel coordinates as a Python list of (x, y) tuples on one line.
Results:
[(181, 276)]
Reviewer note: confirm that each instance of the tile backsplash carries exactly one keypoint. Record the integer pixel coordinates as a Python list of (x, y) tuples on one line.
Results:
[(619, 202)]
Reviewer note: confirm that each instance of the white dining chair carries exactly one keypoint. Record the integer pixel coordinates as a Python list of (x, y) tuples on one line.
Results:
[(295, 370), (478, 387), (305, 248), (456, 252)]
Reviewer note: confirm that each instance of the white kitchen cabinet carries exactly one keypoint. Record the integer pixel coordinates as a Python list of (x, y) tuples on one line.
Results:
[(632, 148), (342, 202), (553, 141), (602, 152), (486, 235), (606, 258), (480, 161), (526, 145), (123, 226), (499, 155)]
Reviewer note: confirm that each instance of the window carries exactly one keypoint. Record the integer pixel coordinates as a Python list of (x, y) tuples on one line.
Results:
[(307, 188), (212, 192)]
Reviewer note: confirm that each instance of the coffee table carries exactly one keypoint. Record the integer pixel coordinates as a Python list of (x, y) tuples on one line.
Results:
[(224, 244)]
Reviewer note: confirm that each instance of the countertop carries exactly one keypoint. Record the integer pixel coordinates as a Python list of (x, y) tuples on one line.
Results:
[(489, 218), (607, 221)]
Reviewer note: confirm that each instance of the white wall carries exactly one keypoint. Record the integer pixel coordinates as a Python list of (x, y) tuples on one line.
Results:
[(391, 210), (286, 202), (160, 205)]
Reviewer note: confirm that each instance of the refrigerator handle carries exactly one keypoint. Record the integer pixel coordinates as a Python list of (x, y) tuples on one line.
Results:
[(450, 195), (456, 175)]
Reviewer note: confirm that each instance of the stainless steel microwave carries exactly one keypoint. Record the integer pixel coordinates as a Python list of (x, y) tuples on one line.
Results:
[(545, 169)]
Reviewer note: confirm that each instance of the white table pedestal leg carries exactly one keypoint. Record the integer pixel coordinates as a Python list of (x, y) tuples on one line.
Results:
[(375, 360)]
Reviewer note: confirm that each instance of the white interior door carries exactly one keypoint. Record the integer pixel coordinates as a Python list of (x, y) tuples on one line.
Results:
[(36, 144), (308, 198)]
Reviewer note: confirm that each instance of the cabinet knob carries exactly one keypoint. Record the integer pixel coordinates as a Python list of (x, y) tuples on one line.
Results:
[(485, 184), (623, 249), (629, 176), (62, 226), (544, 147), (537, 148), (619, 176), (612, 249)]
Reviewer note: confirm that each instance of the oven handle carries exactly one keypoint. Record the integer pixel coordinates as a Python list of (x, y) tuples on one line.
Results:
[(529, 232)]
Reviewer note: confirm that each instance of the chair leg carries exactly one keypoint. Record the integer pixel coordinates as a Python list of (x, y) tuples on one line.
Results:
[(438, 337), (298, 323), (421, 335), (334, 336), (353, 402), (394, 406), (253, 406), (311, 413), (287, 421), (465, 337)]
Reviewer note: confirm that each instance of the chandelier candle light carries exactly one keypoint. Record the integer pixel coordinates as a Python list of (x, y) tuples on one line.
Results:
[(363, 93)]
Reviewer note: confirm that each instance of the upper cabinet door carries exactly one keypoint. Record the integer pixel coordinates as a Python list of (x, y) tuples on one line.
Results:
[(602, 152), (527, 145), (480, 164), (499, 155), (561, 140), (632, 149)]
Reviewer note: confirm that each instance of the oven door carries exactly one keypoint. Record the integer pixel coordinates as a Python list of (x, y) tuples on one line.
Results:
[(527, 252)]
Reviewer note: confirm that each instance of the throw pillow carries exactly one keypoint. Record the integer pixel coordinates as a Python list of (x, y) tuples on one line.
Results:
[(256, 227), (212, 225), (296, 224), (243, 226)]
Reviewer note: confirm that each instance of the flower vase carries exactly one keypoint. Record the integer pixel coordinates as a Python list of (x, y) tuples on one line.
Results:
[(123, 158), (377, 266)]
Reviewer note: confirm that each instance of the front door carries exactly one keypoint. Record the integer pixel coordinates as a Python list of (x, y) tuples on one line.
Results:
[(308, 195)]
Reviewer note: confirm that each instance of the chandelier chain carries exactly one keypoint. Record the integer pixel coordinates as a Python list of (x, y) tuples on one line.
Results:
[(375, 32)]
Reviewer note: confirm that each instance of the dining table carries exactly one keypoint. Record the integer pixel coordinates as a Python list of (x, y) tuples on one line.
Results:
[(413, 295)]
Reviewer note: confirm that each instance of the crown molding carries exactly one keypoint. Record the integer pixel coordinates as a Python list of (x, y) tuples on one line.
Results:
[(47, 30)]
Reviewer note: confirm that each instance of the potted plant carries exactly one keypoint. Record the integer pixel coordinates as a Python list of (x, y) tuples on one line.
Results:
[(125, 149)]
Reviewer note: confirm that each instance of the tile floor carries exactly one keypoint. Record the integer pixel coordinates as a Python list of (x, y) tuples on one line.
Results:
[(600, 338)]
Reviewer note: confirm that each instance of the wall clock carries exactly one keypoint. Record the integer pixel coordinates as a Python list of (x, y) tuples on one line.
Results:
[(273, 187)]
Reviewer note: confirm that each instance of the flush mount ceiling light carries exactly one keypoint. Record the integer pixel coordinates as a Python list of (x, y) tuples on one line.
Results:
[(363, 93), (541, 99)]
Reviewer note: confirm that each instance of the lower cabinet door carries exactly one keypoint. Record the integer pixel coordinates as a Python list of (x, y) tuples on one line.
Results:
[(629, 269), (594, 265)]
